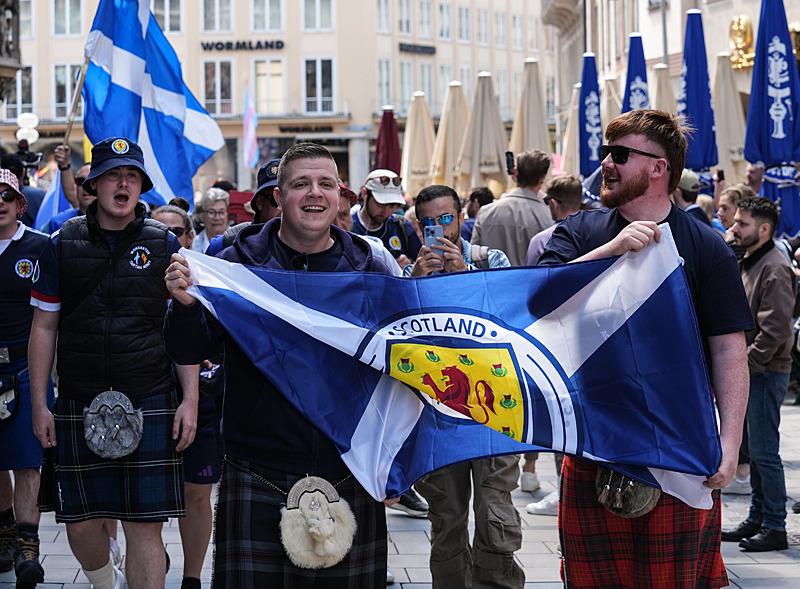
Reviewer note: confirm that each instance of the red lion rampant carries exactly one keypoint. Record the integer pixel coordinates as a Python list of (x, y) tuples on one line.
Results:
[(456, 392)]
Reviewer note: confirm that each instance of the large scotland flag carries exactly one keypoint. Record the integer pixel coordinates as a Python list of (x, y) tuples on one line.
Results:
[(134, 87), (596, 359)]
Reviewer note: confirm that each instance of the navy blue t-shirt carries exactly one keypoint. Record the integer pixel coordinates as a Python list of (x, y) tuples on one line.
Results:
[(397, 235), (710, 266)]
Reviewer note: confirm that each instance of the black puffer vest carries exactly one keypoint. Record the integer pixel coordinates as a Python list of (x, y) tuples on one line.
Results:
[(112, 337)]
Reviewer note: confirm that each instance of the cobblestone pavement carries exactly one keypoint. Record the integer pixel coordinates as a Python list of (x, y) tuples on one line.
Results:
[(410, 540)]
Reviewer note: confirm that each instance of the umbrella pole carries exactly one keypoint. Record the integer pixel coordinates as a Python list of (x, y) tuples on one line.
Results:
[(665, 59), (75, 97)]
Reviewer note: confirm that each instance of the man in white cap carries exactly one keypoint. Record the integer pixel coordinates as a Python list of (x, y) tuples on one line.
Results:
[(382, 194)]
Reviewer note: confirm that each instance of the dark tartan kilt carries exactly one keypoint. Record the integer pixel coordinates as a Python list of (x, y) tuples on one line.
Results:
[(673, 546), (145, 486), (247, 546)]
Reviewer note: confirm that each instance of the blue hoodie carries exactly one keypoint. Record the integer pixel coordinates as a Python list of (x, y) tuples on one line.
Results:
[(260, 425)]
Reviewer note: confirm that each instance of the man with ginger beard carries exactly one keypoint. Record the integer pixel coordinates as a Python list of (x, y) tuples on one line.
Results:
[(673, 545)]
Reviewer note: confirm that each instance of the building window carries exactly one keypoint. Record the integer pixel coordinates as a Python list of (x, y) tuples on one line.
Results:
[(500, 29), (266, 15), (168, 15), (464, 32), (216, 15), (426, 81), (218, 88), (502, 93), (25, 18), (384, 82), (516, 31), (466, 81), (516, 89), (483, 26), (66, 76), (445, 77), (20, 95), (319, 85), (405, 85), (444, 21), (318, 15), (270, 96), (67, 17), (425, 18), (550, 99), (404, 18), (384, 16), (533, 33)]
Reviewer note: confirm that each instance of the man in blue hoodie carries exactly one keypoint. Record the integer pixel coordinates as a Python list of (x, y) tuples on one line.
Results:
[(269, 444)]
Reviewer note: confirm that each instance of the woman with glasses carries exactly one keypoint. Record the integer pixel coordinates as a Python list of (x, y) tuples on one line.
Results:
[(215, 217)]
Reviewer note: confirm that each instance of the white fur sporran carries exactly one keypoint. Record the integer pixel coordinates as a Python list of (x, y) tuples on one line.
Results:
[(317, 526)]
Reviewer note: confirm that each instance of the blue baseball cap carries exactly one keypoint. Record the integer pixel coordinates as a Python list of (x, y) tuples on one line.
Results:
[(268, 176), (116, 152)]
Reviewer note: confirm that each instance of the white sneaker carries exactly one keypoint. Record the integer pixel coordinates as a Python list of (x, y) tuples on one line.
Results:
[(547, 506), (529, 481), (115, 552), (389, 576), (738, 487)]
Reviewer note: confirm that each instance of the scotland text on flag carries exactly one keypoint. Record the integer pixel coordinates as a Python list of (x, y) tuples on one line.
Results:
[(134, 88), (588, 359)]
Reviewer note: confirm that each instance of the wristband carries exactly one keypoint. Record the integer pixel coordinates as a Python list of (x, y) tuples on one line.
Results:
[(65, 169)]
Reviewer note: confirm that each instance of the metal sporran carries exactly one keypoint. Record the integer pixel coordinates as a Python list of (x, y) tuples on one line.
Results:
[(112, 426), (623, 496)]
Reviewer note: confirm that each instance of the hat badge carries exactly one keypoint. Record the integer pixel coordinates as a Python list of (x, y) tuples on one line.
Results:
[(273, 170), (120, 146)]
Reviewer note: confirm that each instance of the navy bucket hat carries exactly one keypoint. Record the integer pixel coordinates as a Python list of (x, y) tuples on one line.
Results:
[(116, 152)]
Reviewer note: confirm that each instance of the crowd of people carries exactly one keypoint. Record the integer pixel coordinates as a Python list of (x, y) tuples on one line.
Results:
[(156, 402)]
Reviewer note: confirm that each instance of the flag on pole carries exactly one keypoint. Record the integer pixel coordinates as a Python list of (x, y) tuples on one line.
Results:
[(694, 98), (249, 132), (637, 95), (772, 137), (590, 126), (134, 88), (53, 203), (593, 360)]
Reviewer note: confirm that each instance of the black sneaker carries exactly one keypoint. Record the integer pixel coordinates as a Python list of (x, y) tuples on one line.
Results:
[(412, 504), (26, 562), (746, 529), (796, 507), (8, 537), (765, 541)]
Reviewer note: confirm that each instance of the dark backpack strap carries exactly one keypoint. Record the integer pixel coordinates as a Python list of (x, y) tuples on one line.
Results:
[(480, 256)]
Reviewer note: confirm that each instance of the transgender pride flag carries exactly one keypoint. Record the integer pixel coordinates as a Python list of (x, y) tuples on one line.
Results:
[(249, 138)]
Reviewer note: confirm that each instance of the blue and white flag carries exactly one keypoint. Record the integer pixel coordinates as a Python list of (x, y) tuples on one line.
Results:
[(134, 88), (694, 99), (589, 124), (53, 203), (772, 138), (637, 95), (597, 360)]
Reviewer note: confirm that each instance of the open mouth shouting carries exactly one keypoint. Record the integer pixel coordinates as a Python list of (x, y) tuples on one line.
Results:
[(313, 209), (121, 198)]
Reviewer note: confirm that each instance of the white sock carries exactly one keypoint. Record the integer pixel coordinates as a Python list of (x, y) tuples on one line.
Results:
[(102, 578)]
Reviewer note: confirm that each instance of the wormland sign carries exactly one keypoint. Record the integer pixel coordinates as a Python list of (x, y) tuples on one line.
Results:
[(249, 45)]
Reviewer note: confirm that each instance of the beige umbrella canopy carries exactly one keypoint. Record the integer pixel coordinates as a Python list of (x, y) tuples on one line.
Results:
[(570, 158), (729, 121), (417, 146), (449, 138), (530, 130), (611, 103), (664, 98), (483, 151)]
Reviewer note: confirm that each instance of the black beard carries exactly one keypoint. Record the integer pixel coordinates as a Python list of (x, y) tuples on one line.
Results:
[(625, 192)]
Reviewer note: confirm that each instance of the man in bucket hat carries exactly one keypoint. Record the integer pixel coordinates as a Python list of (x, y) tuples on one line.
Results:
[(99, 291)]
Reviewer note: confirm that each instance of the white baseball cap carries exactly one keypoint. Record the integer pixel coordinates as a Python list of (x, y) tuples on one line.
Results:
[(385, 186)]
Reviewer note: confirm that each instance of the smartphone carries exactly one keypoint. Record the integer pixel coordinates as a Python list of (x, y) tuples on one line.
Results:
[(720, 175), (431, 234), (510, 163)]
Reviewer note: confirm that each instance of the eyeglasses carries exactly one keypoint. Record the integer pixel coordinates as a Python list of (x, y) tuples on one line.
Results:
[(79, 180), (177, 231), (216, 214), (385, 180), (621, 153), (445, 219), (548, 198), (8, 196)]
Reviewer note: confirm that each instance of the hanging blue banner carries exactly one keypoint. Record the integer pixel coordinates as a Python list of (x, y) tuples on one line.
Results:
[(636, 91), (772, 138), (590, 126)]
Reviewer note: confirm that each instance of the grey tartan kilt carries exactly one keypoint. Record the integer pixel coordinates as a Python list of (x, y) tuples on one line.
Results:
[(247, 547)]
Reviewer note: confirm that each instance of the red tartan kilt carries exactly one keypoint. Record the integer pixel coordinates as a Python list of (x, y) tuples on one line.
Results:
[(673, 546)]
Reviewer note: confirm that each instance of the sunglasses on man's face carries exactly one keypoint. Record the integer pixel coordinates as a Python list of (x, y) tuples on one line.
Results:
[(445, 219), (79, 180), (621, 153), (8, 196), (385, 180), (177, 231)]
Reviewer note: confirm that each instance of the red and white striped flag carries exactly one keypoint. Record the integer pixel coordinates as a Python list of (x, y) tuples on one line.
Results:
[(249, 137)]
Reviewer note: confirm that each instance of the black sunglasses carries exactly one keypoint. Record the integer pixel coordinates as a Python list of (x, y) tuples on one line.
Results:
[(548, 198), (177, 231), (621, 153), (79, 180), (385, 180), (8, 196)]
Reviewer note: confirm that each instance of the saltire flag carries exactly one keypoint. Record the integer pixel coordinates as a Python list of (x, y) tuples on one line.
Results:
[(249, 134), (596, 359), (637, 95), (134, 88), (772, 137), (694, 101), (590, 126), (53, 203)]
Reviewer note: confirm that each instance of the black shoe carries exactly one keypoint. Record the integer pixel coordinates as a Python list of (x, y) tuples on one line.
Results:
[(765, 541), (8, 537), (796, 507), (26, 561), (746, 529), (412, 504)]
